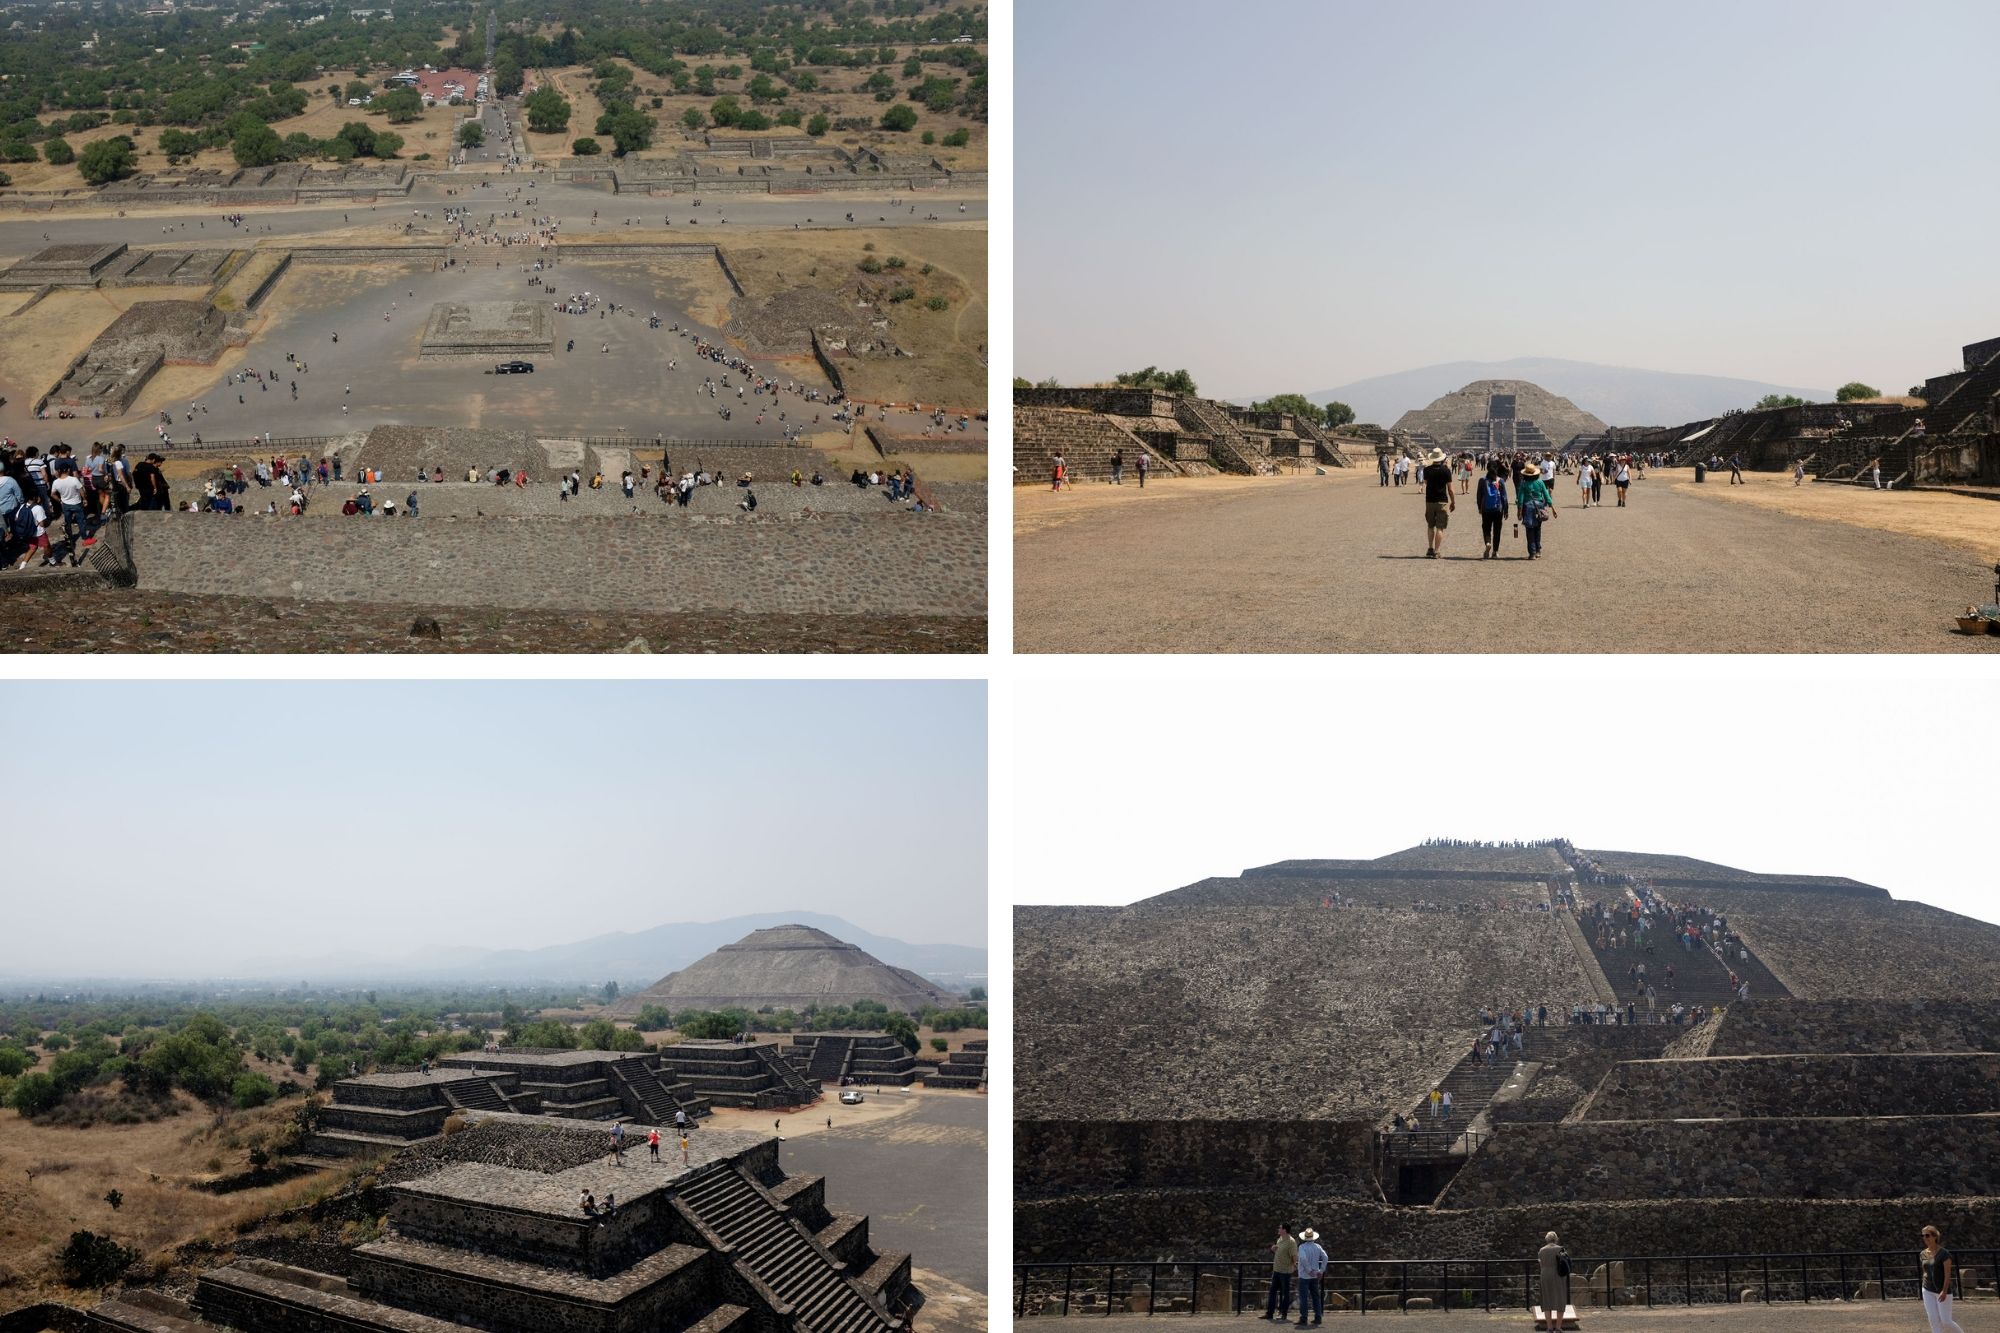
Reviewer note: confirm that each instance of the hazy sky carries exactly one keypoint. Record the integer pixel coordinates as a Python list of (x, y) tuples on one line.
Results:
[(1885, 779), (1290, 196), (197, 825)]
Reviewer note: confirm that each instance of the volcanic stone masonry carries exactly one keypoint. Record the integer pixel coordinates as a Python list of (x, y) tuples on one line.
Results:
[(484, 1230), (787, 967), (1795, 1121)]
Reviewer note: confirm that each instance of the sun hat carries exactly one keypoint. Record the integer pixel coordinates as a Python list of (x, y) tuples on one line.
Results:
[(1309, 1234), (1434, 456), (1530, 470)]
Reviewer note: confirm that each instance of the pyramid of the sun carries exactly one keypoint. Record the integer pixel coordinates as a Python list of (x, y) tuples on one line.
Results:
[(1500, 414), (788, 967)]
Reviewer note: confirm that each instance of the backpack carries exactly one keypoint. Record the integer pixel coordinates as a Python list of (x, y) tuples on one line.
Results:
[(1491, 498), (24, 521)]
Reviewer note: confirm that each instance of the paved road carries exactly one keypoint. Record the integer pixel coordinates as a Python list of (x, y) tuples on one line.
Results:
[(1335, 564), (573, 204), (495, 118), (920, 1177), (1904, 1316)]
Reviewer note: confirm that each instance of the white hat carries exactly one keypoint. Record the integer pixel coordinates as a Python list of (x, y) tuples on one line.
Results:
[(1309, 1234)]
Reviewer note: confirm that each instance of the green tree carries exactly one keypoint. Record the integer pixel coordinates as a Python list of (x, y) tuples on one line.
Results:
[(693, 119), (90, 1260), (903, 1030), (818, 125), (34, 1093), (1854, 389), (470, 135), (13, 1060), (402, 106), (250, 1090), (107, 160), (547, 110), (1152, 377), (652, 1018), (360, 135), (586, 148), (357, 89), (507, 76), (610, 991), (978, 993), (958, 138), (256, 145), (1771, 400), (1337, 414), (631, 130), (708, 1025), (388, 144), (900, 117), (725, 111), (940, 1044), (177, 143), (762, 89), (58, 152)]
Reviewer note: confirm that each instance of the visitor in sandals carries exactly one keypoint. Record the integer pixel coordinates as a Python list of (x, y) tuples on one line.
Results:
[(1939, 1269)]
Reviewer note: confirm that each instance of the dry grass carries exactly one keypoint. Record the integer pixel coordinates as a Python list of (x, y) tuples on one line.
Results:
[(944, 365), (40, 343), (1037, 507), (53, 1181), (1955, 520)]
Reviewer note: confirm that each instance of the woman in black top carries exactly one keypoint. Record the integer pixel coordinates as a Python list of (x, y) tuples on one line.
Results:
[(1939, 1270)]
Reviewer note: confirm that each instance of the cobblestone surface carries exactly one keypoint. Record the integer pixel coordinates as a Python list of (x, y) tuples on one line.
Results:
[(846, 564), (79, 614)]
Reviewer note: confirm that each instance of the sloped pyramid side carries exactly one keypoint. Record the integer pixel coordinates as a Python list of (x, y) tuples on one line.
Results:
[(1445, 419), (787, 967)]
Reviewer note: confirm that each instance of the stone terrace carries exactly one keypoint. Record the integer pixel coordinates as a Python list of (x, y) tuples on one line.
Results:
[(1388, 888), (1685, 871), (1798, 1085), (1124, 1010), (1784, 1027), (1833, 947)]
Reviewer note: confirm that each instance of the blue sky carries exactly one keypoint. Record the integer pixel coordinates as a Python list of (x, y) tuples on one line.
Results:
[(211, 823), (1289, 196)]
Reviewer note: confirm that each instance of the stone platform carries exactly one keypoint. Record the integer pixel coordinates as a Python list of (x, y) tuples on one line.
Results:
[(502, 329)]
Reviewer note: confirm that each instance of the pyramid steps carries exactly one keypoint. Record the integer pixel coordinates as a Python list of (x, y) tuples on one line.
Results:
[(780, 1253)]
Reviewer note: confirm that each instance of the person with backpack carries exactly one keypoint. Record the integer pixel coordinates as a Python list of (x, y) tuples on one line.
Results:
[(1492, 511), (31, 526), (1536, 508)]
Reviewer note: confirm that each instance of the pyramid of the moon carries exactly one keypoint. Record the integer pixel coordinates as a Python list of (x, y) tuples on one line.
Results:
[(788, 967), (1500, 414)]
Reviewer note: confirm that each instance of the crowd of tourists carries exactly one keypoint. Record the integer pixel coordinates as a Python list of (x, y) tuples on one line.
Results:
[(1503, 486)]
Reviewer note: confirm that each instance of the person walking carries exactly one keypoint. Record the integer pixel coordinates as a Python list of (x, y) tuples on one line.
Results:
[(1143, 462), (1584, 473), (1381, 469), (1311, 1270), (1622, 478), (1117, 467), (1439, 502), (1553, 1261), (1875, 469), (1437, 1101), (1938, 1266), (1532, 501), (1284, 1260), (1492, 511)]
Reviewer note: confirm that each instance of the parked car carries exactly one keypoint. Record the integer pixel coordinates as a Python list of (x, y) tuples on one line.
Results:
[(514, 368), (852, 1097)]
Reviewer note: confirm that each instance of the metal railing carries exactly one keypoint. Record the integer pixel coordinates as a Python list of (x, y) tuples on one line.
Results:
[(1235, 1287), (1430, 1142)]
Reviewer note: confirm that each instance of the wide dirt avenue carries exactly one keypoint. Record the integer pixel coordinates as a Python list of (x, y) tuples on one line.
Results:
[(1335, 563)]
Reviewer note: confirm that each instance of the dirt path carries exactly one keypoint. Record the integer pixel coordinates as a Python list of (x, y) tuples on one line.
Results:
[(1955, 520), (1334, 564)]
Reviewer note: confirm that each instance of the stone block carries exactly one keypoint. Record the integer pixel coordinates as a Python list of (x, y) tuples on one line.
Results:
[(1336, 1301), (1869, 1291), (1751, 1296), (1139, 1299), (1387, 1301), (1420, 1303), (1215, 1294)]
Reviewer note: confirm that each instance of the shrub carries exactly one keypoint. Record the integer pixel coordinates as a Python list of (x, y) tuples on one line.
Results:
[(939, 1044), (937, 303), (958, 138), (251, 1090), (871, 264), (115, 1199), (58, 152), (893, 261), (927, 270), (818, 125), (899, 118), (91, 1260), (13, 1060), (56, 1041), (34, 1094), (586, 148), (901, 294)]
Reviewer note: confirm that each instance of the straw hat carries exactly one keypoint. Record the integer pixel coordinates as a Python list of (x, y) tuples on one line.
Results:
[(1434, 456), (1309, 1234), (1529, 472)]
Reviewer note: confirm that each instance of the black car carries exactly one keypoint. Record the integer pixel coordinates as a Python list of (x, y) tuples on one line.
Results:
[(514, 368)]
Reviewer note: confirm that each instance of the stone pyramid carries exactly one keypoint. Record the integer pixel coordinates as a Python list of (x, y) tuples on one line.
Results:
[(1461, 419), (787, 967)]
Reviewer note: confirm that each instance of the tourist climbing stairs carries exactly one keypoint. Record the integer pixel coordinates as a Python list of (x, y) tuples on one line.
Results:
[(781, 1253), (781, 1070), (473, 1094), (1472, 1085), (1699, 976), (830, 1059)]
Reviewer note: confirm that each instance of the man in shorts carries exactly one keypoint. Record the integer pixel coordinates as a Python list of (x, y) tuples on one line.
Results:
[(1439, 502)]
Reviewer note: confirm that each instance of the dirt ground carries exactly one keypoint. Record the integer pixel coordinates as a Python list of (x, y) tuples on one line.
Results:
[(1335, 563), (53, 1181), (946, 363), (1956, 520), (40, 343)]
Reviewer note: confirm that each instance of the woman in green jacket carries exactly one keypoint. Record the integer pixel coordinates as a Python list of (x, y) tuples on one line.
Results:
[(1532, 500)]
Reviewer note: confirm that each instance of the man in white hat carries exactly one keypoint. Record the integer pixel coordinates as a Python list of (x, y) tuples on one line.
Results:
[(1312, 1268), (1438, 499)]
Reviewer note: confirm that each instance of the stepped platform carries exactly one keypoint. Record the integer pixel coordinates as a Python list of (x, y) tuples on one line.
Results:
[(1799, 1086), (738, 1074), (868, 1058), (964, 1069)]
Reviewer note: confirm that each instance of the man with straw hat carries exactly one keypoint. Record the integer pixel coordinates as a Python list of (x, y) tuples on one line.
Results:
[(1312, 1268), (1438, 499)]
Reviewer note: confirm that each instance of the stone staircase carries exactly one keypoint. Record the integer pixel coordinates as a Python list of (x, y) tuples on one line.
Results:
[(781, 1254), (1471, 1085), (829, 1060), (647, 1097), (1699, 976), (1086, 440), (781, 1070), (474, 1095), (1227, 447)]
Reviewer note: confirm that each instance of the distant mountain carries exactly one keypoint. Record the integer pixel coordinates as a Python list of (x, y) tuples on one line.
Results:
[(1620, 395), (631, 958)]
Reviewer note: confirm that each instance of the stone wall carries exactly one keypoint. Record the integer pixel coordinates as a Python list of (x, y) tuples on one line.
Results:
[(1120, 402), (1383, 888), (1789, 1027), (1053, 1158), (1767, 1158), (1799, 1085), (1237, 1224), (1838, 946), (896, 564), (1125, 1013)]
